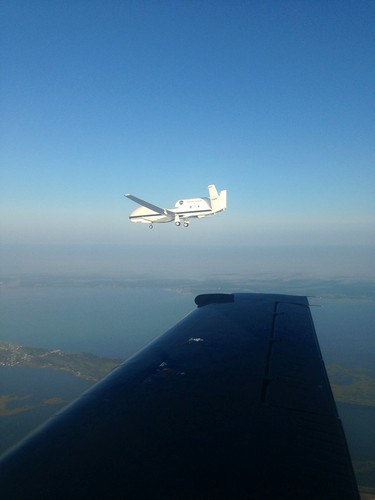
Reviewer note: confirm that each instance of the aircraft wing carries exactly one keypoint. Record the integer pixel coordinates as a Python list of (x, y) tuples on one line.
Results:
[(159, 210), (231, 403)]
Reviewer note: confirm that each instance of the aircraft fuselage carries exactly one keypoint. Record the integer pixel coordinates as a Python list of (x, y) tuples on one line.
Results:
[(183, 209)]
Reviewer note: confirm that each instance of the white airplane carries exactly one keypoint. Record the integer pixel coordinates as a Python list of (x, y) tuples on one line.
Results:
[(184, 209)]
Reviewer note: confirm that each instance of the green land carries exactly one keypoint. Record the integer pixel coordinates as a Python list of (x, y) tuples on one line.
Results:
[(349, 385)]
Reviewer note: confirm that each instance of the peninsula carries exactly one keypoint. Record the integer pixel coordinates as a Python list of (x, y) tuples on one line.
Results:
[(84, 365), (349, 385)]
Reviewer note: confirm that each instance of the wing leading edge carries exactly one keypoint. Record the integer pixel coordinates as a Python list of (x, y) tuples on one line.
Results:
[(232, 402)]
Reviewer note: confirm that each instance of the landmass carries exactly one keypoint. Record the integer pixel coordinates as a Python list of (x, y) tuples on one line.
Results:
[(84, 365), (349, 385)]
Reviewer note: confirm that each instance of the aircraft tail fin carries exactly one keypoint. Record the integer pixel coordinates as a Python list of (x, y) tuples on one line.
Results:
[(218, 201)]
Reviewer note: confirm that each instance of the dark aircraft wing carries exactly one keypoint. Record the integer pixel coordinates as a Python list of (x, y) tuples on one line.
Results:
[(155, 208), (231, 403)]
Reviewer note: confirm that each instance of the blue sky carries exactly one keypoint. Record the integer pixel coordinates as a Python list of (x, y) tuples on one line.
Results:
[(273, 100)]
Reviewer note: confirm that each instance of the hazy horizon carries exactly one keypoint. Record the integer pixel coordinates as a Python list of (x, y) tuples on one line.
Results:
[(202, 262)]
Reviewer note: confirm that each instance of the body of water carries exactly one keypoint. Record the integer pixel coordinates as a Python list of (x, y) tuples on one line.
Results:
[(41, 394), (106, 321)]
